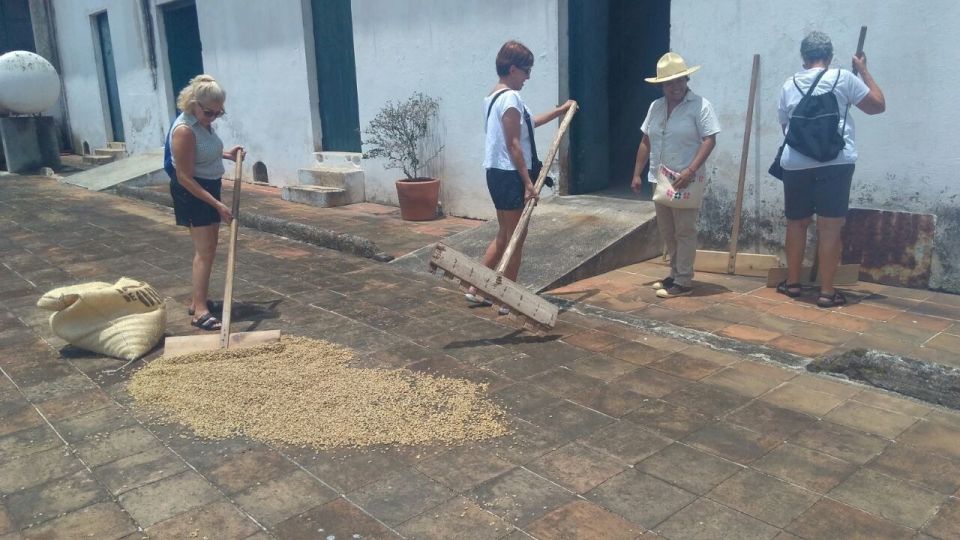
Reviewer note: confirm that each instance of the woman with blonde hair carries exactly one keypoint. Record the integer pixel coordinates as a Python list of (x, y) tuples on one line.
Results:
[(193, 158)]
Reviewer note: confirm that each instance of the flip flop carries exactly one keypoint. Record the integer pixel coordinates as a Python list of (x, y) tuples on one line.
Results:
[(214, 307), (207, 322)]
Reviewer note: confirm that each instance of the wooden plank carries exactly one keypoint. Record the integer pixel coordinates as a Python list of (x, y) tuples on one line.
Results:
[(747, 264), (493, 285), (744, 151), (231, 253), (180, 345), (847, 274)]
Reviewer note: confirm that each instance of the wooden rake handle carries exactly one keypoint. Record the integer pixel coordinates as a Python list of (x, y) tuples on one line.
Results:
[(537, 186), (231, 254)]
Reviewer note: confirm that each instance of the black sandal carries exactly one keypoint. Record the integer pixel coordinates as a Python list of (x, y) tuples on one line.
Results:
[(207, 322), (214, 307), (831, 300), (793, 290)]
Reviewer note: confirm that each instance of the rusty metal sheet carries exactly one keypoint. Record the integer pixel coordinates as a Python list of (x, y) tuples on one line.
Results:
[(893, 248)]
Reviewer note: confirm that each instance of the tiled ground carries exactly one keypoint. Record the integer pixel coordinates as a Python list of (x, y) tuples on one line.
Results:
[(616, 434), (915, 323), (376, 222)]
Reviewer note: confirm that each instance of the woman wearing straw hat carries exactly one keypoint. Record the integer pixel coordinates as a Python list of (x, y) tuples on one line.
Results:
[(679, 132)]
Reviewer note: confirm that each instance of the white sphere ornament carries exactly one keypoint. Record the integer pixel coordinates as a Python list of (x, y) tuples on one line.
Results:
[(28, 83)]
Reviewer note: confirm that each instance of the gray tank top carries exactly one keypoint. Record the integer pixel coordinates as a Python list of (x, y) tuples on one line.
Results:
[(208, 158)]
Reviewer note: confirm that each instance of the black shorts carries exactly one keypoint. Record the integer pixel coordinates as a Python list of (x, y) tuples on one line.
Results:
[(191, 211), (506, 189), (824, 191)]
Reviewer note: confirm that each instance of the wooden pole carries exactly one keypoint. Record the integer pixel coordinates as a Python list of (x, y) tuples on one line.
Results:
[(528, 207), (745, 150), (231, 254)]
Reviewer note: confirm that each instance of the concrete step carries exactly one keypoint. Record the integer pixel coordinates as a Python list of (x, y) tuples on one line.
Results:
[(117, 145), (345, 177), (324, 197), (569, 239), (97, 159), (339, 158), (116, 153)]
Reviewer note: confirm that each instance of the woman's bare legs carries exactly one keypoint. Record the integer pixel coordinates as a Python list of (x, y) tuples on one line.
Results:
[(204, 250)]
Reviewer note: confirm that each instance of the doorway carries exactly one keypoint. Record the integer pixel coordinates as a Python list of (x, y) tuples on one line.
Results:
[(16, 28), (109, 71), (336, 75), (613, 45), (184, 49)]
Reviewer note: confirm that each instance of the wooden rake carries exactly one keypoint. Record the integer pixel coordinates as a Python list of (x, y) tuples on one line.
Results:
[(492, 284), (180, 345)]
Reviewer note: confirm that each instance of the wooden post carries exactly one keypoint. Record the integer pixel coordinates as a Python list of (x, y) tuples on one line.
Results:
[(745, 150), (231, 254)]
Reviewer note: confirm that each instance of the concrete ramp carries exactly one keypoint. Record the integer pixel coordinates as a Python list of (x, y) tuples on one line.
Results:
[(570, 238), (137, 170)]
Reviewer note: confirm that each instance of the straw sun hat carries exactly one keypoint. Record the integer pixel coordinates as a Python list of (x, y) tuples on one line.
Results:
[(671, 66)]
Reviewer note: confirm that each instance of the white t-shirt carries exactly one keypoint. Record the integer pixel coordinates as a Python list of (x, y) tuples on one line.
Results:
[(674, 141), (850, 91), (495, 155)]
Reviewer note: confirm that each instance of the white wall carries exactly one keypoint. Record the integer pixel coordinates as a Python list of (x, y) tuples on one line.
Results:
[(906, 159), (258, 53), (139, 103), (447, 50)]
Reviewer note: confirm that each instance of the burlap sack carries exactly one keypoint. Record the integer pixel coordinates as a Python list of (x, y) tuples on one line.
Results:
[(124, 320)]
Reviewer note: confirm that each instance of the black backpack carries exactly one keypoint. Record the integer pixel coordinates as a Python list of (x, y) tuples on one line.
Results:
[(814, 128)]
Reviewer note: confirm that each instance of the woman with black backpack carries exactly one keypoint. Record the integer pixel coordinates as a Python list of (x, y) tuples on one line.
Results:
[(818, 157)]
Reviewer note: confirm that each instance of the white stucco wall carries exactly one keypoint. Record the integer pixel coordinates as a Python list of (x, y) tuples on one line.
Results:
[(76, 39), (906, 162), (447, 50), (257, 53)]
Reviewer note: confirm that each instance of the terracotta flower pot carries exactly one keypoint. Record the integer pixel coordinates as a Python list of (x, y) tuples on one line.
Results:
[(418, 198)]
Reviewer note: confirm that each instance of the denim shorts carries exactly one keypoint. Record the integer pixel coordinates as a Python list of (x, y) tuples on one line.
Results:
[(506, 189), (824, 191), (191, 211)]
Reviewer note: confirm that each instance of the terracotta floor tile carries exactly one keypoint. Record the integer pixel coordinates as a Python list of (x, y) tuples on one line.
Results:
[(627, 441), (592, 340), (705, 519), (732, 442), (937, 310), (832, 520), (577, 467), (649, 382), (769, 419), (686, 366), (936, 437), (870, 311), (871, 419), (947, 522), (583, 520), (823, 334), (688, 468), (843, 321), (796, 312), (338, 518), (640, 498), (635, 352), (840, 442), (748, 333), (799, 398), (945, 342), (809, 469), (668, 419), (888, 497), (840, 388), (935, 324), (748, 378), (520, 497), (779, 504), (934, 472), (801, 346), (706, 399), (885, 400)]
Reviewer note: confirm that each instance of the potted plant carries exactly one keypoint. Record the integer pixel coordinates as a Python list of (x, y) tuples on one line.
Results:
[(398, 133)]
